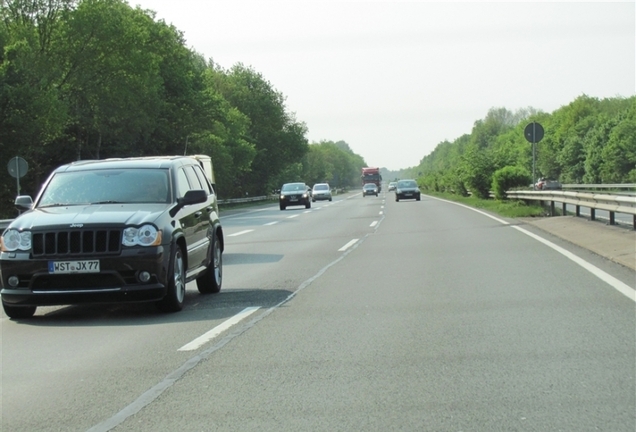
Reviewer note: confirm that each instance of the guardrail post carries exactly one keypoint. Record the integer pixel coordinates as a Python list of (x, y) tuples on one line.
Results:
[(612, 218), (552, 212), (578, 211), (564, 209), (592, 213)]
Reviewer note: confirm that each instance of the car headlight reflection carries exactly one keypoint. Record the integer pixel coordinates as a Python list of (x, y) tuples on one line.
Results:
[(145, 235), (13, 240)]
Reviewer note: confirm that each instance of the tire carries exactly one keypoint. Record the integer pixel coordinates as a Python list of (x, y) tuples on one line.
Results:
[(308, 204), (397, 199), (18, 312), (282, 207), (173, 301), (418, 198), (210, 282), (329, 199)]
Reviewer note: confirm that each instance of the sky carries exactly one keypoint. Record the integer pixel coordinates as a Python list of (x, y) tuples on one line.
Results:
[(395, 79)]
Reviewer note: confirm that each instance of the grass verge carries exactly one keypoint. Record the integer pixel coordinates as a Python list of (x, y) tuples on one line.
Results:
[(508, 208)]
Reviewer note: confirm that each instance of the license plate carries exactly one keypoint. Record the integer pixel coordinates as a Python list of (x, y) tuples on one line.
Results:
[(82, 266), (293, 199)]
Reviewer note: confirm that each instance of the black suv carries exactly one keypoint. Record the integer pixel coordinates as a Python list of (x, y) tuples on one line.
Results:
[(294, 194), (113, 230)]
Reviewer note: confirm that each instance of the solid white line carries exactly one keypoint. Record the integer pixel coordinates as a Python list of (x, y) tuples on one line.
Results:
[(271, 223), (240, 233), (348, 245), (374, 223), (292, 216), (619, 286), (208, 336)]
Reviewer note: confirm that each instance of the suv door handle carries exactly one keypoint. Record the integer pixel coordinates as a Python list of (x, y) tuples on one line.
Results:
[(198, 214)]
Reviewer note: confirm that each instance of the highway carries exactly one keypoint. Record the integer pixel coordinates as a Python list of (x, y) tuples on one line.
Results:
[(357, 314)]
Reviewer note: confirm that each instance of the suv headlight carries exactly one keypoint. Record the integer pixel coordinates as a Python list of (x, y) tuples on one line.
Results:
[(13, 240), (145, 235)]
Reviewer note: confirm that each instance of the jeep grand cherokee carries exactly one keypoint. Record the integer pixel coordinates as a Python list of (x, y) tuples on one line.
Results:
[(135, 229)]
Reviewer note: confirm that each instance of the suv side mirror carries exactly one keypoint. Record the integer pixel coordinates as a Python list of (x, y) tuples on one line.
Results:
[(191, 197), (24, 202)]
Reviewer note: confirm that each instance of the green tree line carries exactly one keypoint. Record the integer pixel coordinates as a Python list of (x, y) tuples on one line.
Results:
[(587, 141), (95, 79)]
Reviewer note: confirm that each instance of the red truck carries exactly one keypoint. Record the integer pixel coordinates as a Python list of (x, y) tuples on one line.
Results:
[(372, 175)]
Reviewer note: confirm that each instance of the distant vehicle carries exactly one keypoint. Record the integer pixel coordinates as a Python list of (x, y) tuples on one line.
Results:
[(113, 230), (369, 189), (407, 189), (293, 194), (547, 184), (392, 186), (372, 175), (321, 191)]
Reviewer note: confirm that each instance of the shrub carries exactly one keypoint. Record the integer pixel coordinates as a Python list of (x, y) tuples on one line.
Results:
[(507, 178)]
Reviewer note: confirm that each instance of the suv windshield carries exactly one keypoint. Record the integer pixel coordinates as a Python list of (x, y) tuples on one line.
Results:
[(107, 186), (407, 184)]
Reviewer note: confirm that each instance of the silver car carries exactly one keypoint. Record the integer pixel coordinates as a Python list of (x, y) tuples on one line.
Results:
[(321, 191)]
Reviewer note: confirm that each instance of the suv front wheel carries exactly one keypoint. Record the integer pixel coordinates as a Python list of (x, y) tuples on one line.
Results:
[(173, 301), (210, 281), (19, 312)]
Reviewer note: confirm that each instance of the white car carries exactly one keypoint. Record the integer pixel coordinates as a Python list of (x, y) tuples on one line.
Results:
[(321, 191)]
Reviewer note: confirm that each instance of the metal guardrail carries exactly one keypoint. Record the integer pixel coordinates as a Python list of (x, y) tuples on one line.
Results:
[(600, 186), (594, 201)]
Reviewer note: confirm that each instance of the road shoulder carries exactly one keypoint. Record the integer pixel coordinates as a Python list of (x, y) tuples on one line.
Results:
[(615, 243)]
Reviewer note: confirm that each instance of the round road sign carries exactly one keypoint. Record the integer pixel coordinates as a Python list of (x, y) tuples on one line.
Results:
[(17, 167), (533, 132)]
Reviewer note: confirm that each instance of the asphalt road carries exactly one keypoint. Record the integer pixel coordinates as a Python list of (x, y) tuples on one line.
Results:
[(359, 314)]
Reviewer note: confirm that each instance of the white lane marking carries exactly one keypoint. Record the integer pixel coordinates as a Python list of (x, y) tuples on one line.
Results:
[(292, 216), (374, 223), (208, 336), (240, 233), (348, 245), (307, 211), (150, 395), (381, 212), (271, 223), (619, 286)]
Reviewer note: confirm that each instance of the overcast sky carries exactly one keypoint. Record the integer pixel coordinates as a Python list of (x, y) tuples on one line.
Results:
[(394, 79)]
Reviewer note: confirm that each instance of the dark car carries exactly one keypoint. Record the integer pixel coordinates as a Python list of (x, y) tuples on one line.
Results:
[(407, 189), (321, 191), (113, 230), (369, 189), (292, 194)]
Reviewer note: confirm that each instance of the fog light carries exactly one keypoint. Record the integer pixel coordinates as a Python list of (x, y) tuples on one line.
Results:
[(13, 281), (144, 276)]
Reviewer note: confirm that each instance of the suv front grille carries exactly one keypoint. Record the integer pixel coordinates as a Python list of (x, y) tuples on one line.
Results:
[(76, 242)]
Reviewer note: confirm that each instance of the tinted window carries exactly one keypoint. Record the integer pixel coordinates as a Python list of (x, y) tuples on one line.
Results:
[(203, 179), (182, 183)]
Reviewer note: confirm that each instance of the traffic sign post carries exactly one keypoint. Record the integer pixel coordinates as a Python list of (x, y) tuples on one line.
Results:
[(533, 133), (17, 168)]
